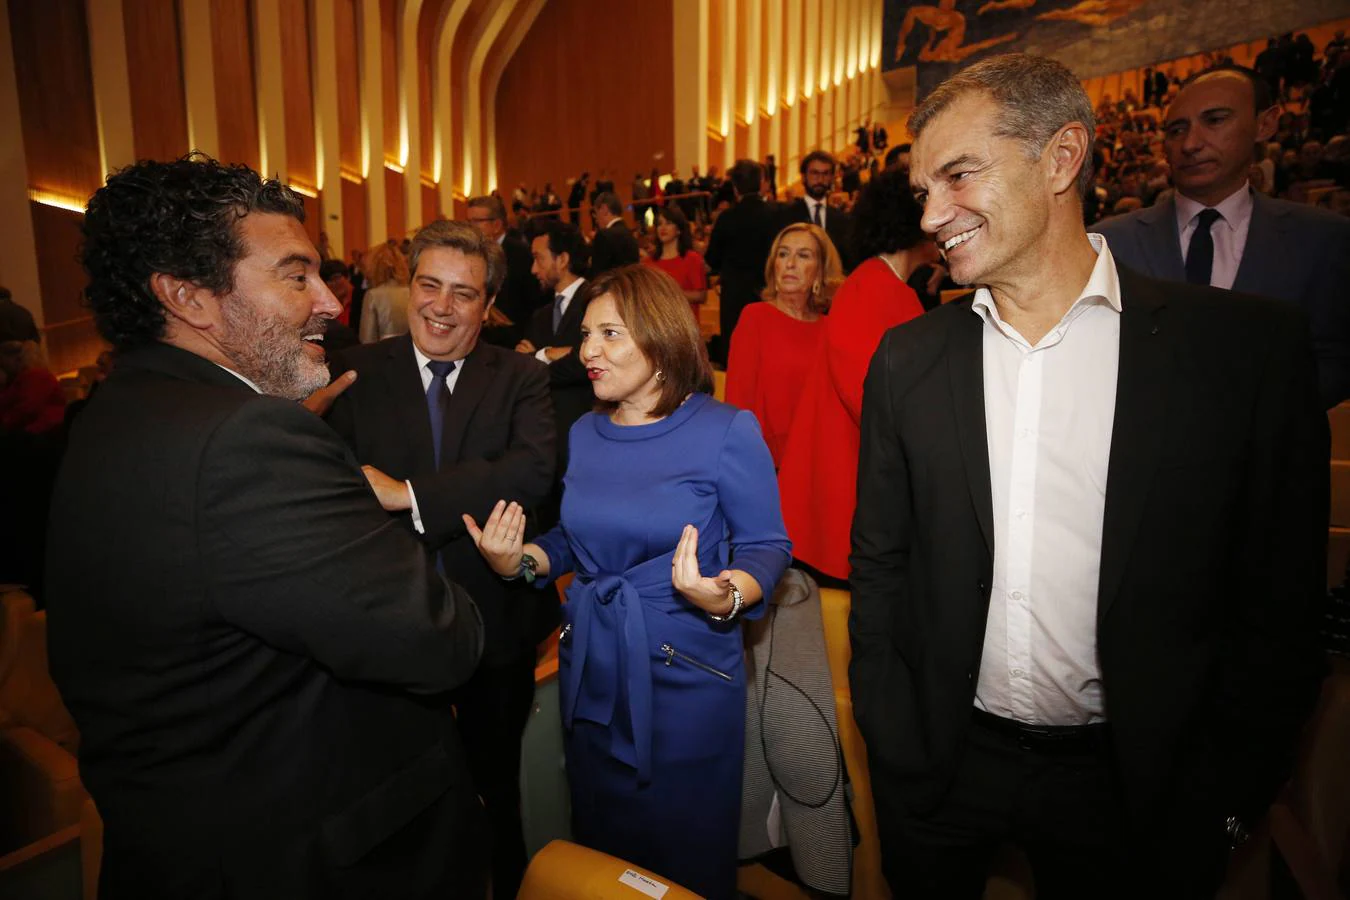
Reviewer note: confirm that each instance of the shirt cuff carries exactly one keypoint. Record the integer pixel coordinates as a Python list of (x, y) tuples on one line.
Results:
[(542, 355), (416, 515)]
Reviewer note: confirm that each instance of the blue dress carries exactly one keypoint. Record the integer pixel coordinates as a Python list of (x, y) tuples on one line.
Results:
[(653, 691)]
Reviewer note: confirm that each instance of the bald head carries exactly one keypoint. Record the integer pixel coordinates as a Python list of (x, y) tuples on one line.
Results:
[(1211, 129)]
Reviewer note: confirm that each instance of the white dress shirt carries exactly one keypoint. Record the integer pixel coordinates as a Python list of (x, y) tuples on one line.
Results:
[(1229, 232), (450, 380), (811, 205), (567, 294), (249, 382), (1049, 412)]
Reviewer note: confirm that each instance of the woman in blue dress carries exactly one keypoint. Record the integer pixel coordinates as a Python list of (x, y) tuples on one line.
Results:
[(670, 521)]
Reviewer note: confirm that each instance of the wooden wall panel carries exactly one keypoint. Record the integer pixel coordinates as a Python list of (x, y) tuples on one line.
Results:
[(459, 57), (426, 43), (354, 217), (301, 160), (394, 204), (71, 341), (430, 202), (236, 109), (155, 70), (349, 92), (313, 219), (558, 113), (56, 96), (389, 80)]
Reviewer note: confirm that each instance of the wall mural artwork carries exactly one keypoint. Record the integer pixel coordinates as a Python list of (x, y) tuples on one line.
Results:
[(1092, 37)]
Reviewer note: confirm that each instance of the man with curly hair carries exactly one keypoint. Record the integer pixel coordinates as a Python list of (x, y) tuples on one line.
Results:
[(256, 657)]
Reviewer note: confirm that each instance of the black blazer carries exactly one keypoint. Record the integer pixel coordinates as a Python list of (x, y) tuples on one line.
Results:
[(1213, 552), (838, 225), (1294, 252), (613, 247), (254, 654), (567, 379), (497, 443), (739, 247)]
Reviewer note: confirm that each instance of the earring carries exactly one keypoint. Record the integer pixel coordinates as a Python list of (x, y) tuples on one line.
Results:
[(660, 376)]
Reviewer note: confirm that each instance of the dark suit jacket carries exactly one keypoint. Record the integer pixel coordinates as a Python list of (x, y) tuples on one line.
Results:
[(520, 295), (613, 247), (837, 225), (1213, 553), (1294, 252), (254, 654), (568, 383), (497, 444), (737, 251)]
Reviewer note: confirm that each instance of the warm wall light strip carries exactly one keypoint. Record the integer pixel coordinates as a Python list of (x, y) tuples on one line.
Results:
[(46, 198), (393, 167), (353, 177), (312, 193)]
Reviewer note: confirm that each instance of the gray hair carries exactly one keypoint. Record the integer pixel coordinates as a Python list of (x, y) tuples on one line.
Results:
[(1038, 97), (466, 239), (492, 204)]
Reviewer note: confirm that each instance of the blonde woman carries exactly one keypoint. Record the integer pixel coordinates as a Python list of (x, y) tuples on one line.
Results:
[(384, 313), (778, 340)]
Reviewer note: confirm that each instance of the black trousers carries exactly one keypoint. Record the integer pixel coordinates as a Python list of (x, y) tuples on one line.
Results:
[(1062, 807), (491, 710)]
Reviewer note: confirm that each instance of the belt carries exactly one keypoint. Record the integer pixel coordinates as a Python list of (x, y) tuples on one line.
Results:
[(1046, 739), (615, 606)]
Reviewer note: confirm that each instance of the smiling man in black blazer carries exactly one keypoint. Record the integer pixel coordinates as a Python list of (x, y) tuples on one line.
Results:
[(1090, 535), (258, 660), (446, 425)]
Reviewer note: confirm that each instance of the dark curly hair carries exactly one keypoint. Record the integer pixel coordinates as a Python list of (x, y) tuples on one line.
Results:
[(178, 218), (886, 216)]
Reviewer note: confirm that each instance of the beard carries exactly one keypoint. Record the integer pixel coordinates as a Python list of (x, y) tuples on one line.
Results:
[(271, 353), (818, 191)]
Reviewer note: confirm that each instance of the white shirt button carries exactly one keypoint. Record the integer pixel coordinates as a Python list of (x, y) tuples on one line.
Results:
[(1018, 673), (1017, 595)]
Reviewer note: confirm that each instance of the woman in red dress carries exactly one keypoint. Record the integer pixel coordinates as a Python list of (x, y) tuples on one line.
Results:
[(674, 254), (818, 471), (777, 341)]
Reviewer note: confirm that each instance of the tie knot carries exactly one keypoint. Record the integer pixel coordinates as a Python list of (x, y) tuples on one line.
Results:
[(439, 368), (1207, 218)]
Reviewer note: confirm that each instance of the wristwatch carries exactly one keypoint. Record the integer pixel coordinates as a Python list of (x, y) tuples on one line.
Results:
[(529, 566), (737, 601)]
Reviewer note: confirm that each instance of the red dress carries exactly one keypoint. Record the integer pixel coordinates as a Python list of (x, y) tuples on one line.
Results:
[(818, 473), (688, 271), (771, 356), (33, 402)]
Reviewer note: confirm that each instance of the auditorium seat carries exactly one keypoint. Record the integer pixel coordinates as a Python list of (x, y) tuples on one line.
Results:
[(1340, 493), (720, 385), (15, 608), (1338, 555), (566, 871), (1310, 823), (40, 782), (28, 696), (1339, 419)]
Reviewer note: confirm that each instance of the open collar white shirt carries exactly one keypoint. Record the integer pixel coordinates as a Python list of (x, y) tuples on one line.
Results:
[(1229, 232), (1049, 412)]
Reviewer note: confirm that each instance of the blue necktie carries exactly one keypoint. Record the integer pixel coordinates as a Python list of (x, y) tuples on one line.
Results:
[(1200, 253), (558, 311), (438, 398)]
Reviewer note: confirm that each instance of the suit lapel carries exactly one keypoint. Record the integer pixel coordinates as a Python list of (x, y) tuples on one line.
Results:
[(576, 310), (965, 363), (1145, 373), (1256, 274), (475, 377), (410, 399), (1162, 241)]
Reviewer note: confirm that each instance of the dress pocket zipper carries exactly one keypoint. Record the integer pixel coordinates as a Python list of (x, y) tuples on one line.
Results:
[(671, 653)]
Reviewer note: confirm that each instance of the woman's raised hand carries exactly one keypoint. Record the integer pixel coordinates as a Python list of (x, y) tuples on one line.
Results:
[(712, 595), (501, 540)]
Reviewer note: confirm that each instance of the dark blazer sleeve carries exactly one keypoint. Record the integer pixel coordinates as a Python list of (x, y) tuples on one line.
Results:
[(881, 546), (303, 557), (602, 252), (1329, 312), (568, 371), (523, 473), (1272, 664), (717, 244)]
